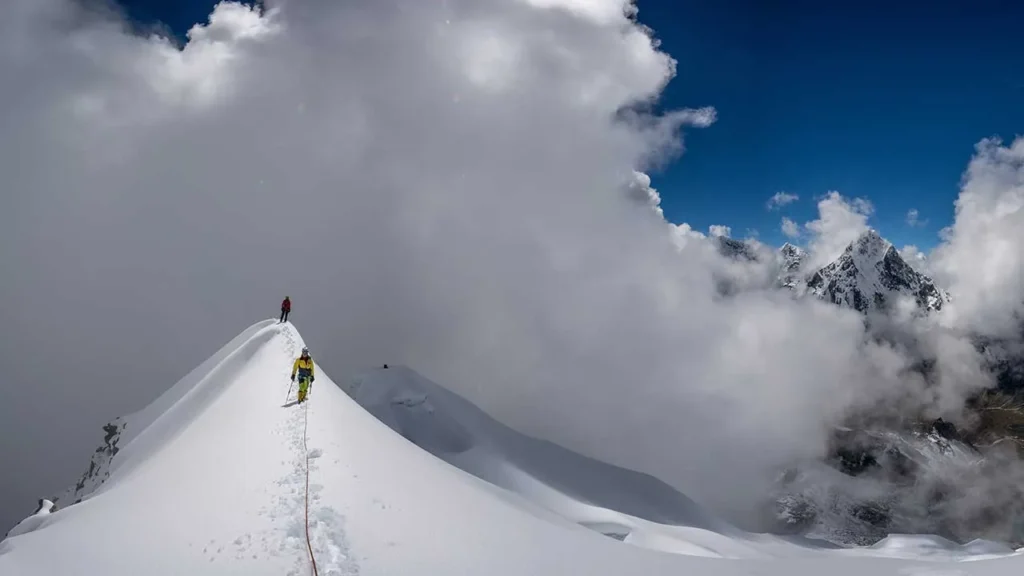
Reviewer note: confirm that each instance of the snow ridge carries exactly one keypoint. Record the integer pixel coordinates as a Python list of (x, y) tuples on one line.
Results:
[(411, 479), (211, 480), (325, 526)]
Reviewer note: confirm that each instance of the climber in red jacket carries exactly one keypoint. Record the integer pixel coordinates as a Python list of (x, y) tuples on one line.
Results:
[(286, 307)]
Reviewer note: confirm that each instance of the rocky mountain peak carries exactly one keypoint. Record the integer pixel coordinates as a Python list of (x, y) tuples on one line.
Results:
[(871, 275), (790, 251), (737, 249), (791, 261)]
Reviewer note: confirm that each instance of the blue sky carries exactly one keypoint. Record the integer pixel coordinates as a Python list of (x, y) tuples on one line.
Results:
[(882, 100)]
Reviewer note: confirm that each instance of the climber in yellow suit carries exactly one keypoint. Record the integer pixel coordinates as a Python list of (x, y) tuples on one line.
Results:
[(304, 367)]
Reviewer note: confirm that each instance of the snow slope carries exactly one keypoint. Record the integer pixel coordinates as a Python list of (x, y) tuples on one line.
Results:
[(212, 479), (460, 433), (168, 412)]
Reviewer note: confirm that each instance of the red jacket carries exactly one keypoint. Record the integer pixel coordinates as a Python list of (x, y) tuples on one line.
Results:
[(286, 305)]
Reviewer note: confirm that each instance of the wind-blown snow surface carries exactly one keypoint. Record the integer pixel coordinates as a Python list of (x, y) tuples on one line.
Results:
[(210, 478)]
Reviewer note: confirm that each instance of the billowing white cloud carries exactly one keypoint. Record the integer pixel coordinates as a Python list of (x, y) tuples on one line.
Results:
[(639, 188), (790, 228), (840, 221), (453, 186), (683, 234), (719, 230), (605, 12), (981, 260), (781, 199)]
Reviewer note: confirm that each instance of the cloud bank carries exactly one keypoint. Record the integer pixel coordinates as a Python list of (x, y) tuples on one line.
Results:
[(981, 260), (457, 186)]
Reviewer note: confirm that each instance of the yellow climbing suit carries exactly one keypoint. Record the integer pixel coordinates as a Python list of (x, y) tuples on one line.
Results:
[(304, 367)]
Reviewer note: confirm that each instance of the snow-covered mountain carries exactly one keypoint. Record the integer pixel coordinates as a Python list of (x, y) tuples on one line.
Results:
[(791, 263), (871, 275), (225, 474), (736, 249), (822, 498), (876, 482)]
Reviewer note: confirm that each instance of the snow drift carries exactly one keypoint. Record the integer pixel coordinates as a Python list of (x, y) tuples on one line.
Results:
[(211, 478)]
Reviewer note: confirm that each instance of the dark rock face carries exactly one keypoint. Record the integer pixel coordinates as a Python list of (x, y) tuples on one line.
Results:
[(898, 276), (1010, 376), (737, 249), (932, 481), (876, 514), (727, 284), (1005, 358), (857, 452), (854, 462), (947, 430), (99, 467)]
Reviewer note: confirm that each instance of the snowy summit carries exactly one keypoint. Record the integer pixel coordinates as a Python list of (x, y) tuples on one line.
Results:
[(871, 275), (792, 260), (393, 474)]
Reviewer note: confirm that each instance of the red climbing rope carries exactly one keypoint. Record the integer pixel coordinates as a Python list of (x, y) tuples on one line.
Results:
[(305, 426)]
